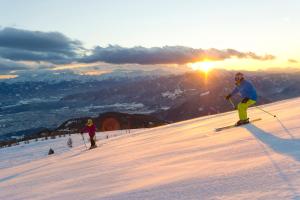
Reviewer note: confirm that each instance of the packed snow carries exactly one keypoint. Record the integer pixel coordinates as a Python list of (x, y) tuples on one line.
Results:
[(186, 160)]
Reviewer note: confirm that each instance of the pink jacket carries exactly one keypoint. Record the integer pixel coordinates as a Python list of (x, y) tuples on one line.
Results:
[(90, 129)]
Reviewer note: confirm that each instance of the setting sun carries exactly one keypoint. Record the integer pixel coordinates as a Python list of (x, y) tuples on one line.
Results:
[(205, 66)]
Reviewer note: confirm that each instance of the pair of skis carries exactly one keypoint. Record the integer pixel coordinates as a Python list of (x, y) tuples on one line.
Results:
[(235, 125)]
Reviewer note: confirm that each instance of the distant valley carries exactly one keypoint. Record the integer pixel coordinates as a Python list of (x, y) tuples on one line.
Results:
[(35, 104)]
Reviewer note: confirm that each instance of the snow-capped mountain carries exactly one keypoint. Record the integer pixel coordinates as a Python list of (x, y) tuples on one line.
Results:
[(31, 105), (56, 76)]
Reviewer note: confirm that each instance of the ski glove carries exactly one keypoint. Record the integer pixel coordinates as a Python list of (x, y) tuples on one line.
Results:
[(245, 100), (228, 97)]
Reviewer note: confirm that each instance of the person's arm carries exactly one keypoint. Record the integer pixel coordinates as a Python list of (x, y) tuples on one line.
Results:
[(236, 90), (83, 130)]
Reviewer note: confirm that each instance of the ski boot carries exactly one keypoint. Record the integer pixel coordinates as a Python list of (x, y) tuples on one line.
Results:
[(242, 122), (93, 147)]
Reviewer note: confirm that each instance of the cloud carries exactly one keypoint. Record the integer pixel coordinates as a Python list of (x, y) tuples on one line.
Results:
[(18, 44), (7, 76), (7, 66), (292, 61), (164, 55), (25, 55), (46, 50)]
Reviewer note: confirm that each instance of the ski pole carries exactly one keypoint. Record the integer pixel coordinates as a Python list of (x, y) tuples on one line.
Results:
[(265, 111), (231, 102), (83, 140)]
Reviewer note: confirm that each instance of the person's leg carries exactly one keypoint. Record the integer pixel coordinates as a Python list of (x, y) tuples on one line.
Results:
[(92, 141), (242, 109)]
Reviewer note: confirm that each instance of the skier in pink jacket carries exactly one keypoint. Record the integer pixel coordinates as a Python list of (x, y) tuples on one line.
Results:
[(90, 128)]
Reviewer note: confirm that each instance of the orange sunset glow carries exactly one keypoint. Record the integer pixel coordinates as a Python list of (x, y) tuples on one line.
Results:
[(204, 66)]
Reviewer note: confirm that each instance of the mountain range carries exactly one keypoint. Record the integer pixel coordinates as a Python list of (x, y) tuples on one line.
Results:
[(27, 105)]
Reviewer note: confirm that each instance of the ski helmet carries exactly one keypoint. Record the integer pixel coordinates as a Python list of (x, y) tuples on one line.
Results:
[(239, 76)]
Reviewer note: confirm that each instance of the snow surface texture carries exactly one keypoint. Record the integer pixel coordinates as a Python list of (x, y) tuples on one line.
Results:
[(186, 160)]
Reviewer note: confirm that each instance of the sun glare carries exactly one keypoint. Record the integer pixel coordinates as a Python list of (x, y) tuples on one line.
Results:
[(204, 66)]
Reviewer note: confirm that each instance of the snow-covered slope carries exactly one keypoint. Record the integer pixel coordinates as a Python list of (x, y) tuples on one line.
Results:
[(186, 160)]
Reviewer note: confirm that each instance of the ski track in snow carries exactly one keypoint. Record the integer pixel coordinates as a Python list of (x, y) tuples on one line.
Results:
[(186, 160)]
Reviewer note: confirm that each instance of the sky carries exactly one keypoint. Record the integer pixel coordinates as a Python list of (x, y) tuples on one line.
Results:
[(256, 34)]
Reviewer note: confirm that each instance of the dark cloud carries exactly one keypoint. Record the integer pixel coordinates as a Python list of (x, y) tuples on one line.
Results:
[(292, 61), (56, 48), (24, 55), (8, 66), (17, 44), (164, 55)]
